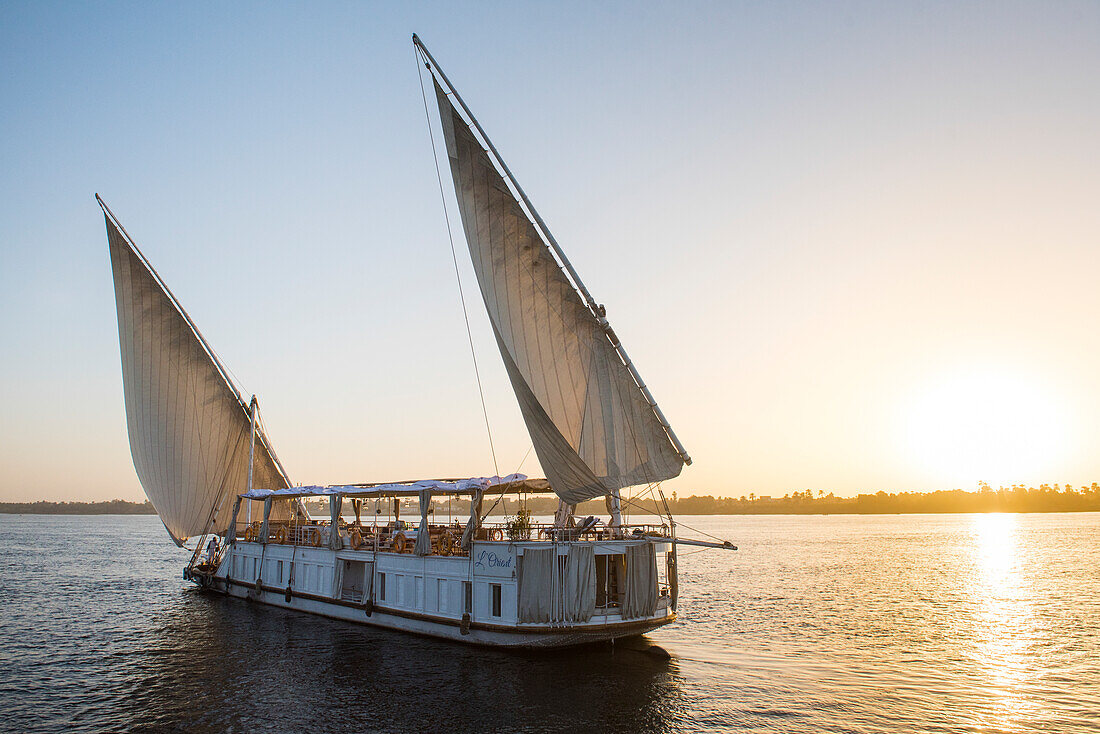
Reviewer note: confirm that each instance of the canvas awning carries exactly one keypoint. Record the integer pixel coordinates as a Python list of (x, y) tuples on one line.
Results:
[(511, 483)]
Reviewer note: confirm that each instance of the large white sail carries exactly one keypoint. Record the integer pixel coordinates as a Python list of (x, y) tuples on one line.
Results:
[(593, 430), (189, 431)]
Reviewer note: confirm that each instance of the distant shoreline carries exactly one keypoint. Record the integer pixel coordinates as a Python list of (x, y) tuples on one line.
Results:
[(1018, 499), (112, 507), (4, 511)]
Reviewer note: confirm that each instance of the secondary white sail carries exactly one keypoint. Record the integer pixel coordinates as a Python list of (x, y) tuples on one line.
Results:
[(189, 430), (593, 430)]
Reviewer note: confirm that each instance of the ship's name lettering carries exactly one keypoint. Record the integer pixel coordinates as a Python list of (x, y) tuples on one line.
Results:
[(488, 559)]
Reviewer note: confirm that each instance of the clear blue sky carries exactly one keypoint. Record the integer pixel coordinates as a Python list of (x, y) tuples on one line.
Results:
[(851, 246)]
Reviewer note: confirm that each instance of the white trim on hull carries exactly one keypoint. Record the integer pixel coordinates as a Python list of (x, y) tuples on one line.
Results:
[(478, 635), (442, 597)]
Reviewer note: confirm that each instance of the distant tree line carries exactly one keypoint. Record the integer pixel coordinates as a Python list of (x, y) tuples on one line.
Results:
[(1017, 498), (113, 507)]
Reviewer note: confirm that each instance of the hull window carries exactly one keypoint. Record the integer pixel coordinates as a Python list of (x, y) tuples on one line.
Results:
[(496, 599)]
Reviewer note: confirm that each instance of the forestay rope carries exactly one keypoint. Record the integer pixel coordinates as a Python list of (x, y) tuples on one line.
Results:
[(454, 255)]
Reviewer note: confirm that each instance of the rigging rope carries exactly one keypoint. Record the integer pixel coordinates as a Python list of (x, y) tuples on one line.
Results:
[(682, 524), (454, 256), (501, 497)]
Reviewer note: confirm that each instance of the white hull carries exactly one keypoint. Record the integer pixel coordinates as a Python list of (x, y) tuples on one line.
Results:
[(422, 595)]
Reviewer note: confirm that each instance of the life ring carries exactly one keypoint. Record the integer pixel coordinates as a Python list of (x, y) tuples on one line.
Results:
[(315, 538), (250, 534), (496, 534), (446, 544), (399, 543), (356, 539), (280, 536)]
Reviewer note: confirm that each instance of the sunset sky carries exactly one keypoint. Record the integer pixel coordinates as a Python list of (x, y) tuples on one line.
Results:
[(850, 246)]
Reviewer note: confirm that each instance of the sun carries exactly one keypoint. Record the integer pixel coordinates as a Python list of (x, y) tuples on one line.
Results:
[(987, 426)]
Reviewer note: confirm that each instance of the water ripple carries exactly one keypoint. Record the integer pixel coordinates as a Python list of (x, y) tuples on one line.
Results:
[(948, 623)]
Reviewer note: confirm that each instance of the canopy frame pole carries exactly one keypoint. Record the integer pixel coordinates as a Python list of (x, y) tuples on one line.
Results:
[(597, 310)]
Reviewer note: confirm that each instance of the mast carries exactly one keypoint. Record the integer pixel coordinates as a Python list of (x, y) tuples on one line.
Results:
[(597, 310), (252, 408)]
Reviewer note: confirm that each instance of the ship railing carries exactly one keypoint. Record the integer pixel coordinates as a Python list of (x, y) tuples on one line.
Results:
[(358, 536), (552, 533), (305, 534), (445, 538)]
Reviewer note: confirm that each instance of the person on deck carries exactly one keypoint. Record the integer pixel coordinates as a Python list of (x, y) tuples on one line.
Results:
[(212, 550)]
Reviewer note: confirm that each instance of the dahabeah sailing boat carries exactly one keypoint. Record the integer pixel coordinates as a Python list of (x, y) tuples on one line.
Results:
[(209, 468)]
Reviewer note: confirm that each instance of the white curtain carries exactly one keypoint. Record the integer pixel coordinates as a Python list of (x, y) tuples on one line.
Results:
[(334, 540), (536, 573), (337, 578), (580, 583), (673, 580), (475, 519), (266, 527), (423, 536), (563, 516), (640, 593), (231, 531)]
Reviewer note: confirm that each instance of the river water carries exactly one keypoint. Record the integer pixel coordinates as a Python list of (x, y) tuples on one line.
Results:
[(910, 623)]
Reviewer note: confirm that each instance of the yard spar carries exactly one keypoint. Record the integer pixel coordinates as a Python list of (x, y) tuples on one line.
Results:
[(595, 426), (189, 428)]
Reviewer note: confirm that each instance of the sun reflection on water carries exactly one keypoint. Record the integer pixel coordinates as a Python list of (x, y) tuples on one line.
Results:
[(1004, 622)]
